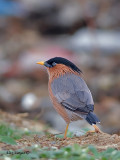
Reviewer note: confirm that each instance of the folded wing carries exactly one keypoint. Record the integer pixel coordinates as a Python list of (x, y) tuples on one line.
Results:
[(72, 93)]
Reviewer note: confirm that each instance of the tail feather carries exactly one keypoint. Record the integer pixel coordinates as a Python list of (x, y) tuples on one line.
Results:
[(91, 118)]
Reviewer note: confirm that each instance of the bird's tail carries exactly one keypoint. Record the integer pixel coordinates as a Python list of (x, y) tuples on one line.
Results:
[(91, 118)]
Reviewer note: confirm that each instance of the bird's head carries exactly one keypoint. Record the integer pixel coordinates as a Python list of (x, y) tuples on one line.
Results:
[(59, 64)]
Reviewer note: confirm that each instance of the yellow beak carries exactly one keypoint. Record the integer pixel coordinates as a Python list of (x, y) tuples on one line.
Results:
[(41, 63)]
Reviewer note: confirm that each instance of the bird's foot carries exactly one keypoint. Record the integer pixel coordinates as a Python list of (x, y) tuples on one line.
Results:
[(97, 130), (91, 131)]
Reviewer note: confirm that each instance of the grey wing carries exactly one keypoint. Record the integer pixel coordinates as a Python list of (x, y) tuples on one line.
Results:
[(72, 92)]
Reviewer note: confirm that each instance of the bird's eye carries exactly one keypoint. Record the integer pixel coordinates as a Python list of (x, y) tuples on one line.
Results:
[(53, 64)]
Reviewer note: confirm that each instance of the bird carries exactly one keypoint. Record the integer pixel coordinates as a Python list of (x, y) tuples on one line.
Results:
[(69, 92)]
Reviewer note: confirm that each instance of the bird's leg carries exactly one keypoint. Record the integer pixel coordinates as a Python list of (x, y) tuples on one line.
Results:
[(97, 130), (66, 130)]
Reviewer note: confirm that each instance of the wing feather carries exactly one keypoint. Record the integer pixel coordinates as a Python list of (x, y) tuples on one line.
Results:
[(72, 92)]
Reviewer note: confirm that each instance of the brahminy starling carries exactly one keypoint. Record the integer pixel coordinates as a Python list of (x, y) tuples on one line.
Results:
[(69, 93)]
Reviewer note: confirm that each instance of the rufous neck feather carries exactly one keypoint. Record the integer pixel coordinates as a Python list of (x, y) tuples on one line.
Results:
[(60, 70)]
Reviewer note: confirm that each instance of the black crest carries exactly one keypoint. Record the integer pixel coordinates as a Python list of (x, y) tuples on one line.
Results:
[(60, 60)]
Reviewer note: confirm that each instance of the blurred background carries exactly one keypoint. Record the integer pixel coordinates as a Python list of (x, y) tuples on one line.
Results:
[(83, 31)]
